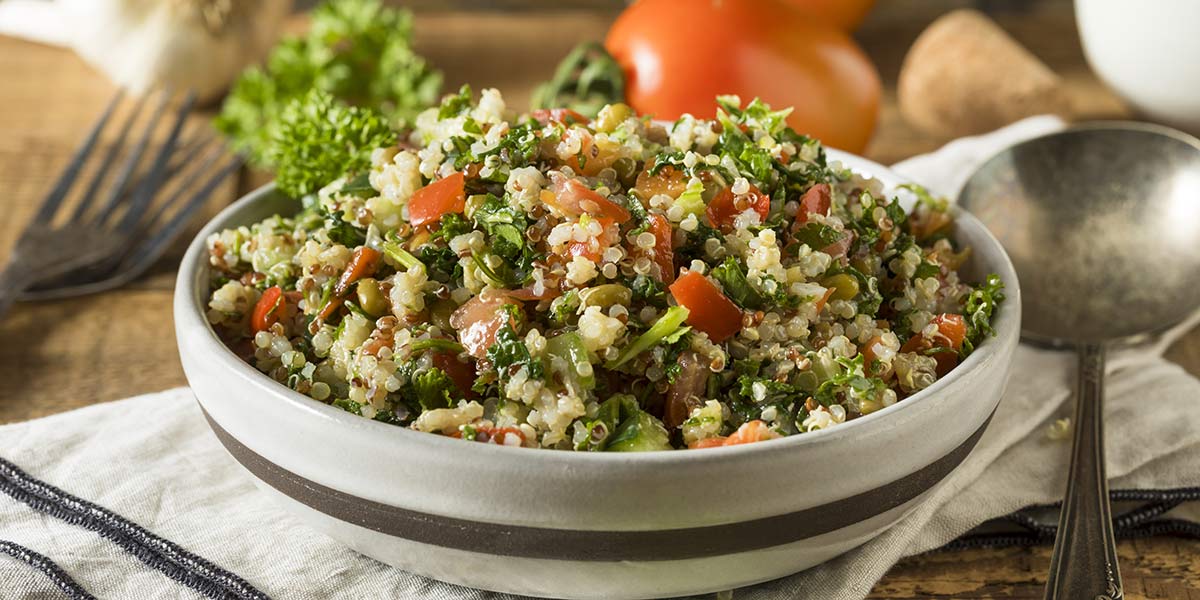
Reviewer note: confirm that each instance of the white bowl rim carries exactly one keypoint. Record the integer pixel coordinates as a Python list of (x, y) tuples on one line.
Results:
[(1006, 323)]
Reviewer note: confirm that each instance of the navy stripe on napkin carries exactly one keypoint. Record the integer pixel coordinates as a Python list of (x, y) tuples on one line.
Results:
[(48, 568), (1029, 526), (156, 552)]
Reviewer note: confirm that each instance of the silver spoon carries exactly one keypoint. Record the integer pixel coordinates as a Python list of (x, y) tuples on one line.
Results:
[(1102, 222)]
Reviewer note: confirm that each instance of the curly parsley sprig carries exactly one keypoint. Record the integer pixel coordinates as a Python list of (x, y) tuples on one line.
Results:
[(319, 139), (357, 51)]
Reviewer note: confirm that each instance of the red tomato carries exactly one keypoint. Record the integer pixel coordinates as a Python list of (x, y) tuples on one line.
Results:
[(843, 14), (565, 116), (816, 200), (664, 251), (446, 195), (603, 241), (952, 330), (723, 209), (678, 60), (461, 373), (574, 198), (478, 321), (708, 309), (266, 312)]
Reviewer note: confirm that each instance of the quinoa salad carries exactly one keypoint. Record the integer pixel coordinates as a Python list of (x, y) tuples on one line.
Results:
[(609, 284)]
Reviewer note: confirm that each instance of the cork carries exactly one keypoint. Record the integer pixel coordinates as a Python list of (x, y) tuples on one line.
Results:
[(965, 75)]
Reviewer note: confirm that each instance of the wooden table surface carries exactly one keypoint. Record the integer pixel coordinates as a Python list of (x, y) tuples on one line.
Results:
[(62, 355)]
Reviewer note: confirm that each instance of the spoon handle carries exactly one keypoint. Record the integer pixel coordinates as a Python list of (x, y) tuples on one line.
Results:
[(1084, 563)]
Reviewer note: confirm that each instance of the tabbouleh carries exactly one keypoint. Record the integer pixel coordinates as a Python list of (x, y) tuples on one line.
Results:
[(607, 284)]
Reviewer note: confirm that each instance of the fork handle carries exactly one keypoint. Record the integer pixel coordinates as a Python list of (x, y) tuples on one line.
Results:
[(1084, 562)]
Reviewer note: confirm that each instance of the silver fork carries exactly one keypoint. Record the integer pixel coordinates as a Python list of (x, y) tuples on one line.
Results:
[(109, 239)]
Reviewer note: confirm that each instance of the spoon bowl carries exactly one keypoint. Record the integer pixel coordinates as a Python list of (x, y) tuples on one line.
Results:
[(1102, 222)]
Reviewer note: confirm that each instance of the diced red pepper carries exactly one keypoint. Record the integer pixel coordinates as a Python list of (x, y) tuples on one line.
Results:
[(708, 309), (664, 251), (444, 196)]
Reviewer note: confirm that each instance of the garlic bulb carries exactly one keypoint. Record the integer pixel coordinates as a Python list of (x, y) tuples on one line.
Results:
[(200, 45)]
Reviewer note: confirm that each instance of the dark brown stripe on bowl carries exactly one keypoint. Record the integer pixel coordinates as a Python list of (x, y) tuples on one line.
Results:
[(588, 545)]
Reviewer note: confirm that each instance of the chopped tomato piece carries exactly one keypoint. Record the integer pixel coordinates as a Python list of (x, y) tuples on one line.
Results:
[(723, 209), (268, 309), (526, 294), (953, 327), (583, 249), (461, 373), (574, 198), (446, 195), (363, 263), (839, 248), (565, 116), (951, 331), (712, 442), (593, 156), (664, 252), (478, 321), (816, 201), (708, 309), (748, 433), (669, 181), (870, 352)]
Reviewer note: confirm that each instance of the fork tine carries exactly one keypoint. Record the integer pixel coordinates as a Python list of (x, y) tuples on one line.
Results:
[(145, 193), (182, 156), (50, 205), (153, 247), (116, 192), (189, 179), (109, 158), (144, 255)]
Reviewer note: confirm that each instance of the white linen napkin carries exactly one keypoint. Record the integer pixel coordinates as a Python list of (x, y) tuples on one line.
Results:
[(153, 460)]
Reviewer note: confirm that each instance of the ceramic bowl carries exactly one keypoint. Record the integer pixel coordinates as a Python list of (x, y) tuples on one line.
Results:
[(590, 525)]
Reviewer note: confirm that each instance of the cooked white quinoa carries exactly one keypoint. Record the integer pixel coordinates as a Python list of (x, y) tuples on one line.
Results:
[(605, 284)]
